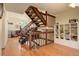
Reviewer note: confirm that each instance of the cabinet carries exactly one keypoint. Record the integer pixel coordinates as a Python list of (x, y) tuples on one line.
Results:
[(74, 34), (57, 30), (67, 31), (61, 31)]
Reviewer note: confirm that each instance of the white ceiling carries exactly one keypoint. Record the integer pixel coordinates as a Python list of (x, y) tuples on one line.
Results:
[(52, 8)]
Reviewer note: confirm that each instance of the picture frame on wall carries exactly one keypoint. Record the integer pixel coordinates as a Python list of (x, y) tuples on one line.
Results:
[(73, 20)]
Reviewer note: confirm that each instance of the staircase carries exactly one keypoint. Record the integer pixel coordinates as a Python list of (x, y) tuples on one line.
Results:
[(35, 16), (37, 19)]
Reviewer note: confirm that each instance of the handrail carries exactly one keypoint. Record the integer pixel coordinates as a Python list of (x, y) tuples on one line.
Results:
[(28, 25)]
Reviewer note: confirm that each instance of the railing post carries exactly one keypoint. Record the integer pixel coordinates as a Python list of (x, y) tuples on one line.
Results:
[(30, 38), (46, 29)]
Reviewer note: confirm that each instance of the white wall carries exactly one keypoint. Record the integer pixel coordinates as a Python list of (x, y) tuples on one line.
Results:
[(1, 31), (16, 18), (0, 34), (63, 18), (4, 29)]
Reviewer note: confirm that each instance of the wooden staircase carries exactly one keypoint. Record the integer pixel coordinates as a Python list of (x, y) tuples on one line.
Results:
[(35, 16), (37, 19)]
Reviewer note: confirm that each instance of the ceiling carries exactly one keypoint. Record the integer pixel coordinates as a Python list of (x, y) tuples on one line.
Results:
[(52, 8)]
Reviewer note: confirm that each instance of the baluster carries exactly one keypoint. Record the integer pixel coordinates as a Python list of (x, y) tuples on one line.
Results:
[(30, 38)]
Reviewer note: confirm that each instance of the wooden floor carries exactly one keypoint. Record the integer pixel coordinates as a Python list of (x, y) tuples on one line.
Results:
[(13, 48)]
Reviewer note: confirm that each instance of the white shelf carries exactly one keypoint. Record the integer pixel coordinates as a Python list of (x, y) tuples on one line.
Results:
[(72, 29)]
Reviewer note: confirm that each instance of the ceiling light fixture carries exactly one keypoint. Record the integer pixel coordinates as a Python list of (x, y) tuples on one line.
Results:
[(73, 5)]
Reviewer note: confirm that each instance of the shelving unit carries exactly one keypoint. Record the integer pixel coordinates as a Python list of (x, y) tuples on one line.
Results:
[(67, 31), (57, 31), (74, 34), (61, 31)]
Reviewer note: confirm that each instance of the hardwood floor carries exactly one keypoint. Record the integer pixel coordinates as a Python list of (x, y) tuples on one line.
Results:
[(13, 48)]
